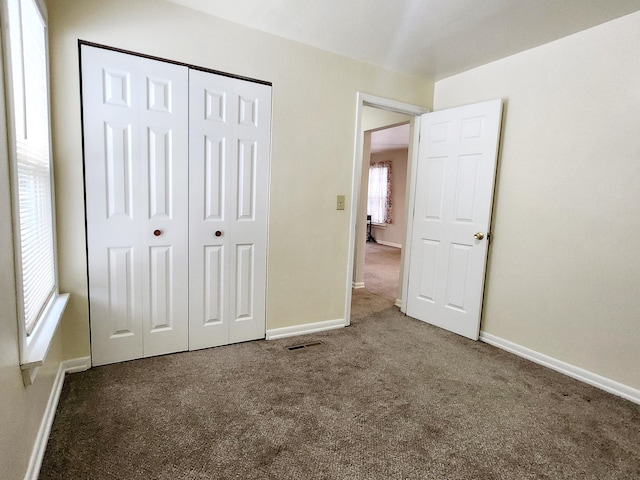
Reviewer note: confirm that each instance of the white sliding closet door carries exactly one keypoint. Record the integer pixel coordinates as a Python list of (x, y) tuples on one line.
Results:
[(135, 117), (228, 194)]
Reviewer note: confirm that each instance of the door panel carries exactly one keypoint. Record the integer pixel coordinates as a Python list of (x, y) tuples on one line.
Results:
[(134, 113), (250, 180), (214, 285), (211, 146), (229, 168), (160, 294), (244, 276), (111, 130), (160, 192), (164, 118), (453, 198), (428, 260), (214, 177), (246, 193), (435, 171), (118, 144), (459, 263), (465, 193), (121, 293)]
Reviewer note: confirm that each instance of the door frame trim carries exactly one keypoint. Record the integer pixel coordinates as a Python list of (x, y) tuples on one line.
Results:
[(368, 100)]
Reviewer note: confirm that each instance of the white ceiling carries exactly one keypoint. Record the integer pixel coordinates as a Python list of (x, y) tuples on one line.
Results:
[(429, 38), (390, 138)]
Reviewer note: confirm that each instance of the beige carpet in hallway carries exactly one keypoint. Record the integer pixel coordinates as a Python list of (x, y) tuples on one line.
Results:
[(381, 276)]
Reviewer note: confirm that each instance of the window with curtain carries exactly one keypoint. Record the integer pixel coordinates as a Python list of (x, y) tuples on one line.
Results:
[(26, 54), (379, 204)]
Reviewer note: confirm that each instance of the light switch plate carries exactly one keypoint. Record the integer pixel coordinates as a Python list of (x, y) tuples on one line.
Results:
[(340, 202)]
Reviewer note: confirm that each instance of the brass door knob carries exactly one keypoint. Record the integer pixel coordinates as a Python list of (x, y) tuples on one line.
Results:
[(478, 236), (218, 233), (157, 233)]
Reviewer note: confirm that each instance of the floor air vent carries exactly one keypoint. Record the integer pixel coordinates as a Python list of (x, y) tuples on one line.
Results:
[(303, 345)]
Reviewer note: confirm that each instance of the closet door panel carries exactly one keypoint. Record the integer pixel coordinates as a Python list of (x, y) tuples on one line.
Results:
[(229, 178), (250, 204), (211, 146), (113, 204), (135, 143), (164, 120)]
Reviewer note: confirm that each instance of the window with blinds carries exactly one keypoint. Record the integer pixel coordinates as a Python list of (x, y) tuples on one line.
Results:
[(35, 247)]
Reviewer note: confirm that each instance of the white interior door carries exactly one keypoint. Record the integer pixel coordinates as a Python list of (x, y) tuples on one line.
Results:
[(453, 199), (228, 187), (135, 117)]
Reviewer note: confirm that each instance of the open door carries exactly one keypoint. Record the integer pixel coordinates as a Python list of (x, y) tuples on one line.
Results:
[(454, 178)]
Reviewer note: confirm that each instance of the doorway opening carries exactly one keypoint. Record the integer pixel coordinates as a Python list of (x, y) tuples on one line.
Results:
[(450, 197), (384, 180), (379, 124)]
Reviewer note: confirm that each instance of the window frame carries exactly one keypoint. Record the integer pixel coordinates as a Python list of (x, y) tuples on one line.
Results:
[(33, 345)]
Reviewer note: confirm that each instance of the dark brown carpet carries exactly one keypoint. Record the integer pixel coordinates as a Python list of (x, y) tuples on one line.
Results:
[(387, 398)]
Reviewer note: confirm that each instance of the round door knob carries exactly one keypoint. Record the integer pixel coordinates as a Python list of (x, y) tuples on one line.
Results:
[(157, 233), (218, 233), (478, 236)]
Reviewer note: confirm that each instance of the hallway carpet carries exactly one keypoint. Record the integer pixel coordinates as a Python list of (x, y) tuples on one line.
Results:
[(386, 398), (381, 277)]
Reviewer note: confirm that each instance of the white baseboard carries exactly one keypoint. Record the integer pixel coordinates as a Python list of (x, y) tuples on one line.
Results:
[(389, 244), (357, 285), (37, 454), (572, 371), (276, 333), (398, 303)]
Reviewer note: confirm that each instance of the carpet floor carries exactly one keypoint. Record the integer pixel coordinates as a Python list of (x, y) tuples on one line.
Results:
[(387, 398), (381, 277)]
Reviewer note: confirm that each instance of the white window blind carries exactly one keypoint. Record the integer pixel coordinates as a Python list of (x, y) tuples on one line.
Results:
[(32, 169)]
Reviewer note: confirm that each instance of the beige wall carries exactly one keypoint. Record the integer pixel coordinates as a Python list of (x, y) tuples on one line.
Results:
[(394, 232), (563, 275), (314, 100), (374, 118), (21, 408)]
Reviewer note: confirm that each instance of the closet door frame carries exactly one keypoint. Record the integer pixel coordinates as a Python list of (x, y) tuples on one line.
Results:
[(146, 320)]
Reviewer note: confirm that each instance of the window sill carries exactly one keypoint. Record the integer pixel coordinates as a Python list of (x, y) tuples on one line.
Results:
[(38, 346), (379, 225)]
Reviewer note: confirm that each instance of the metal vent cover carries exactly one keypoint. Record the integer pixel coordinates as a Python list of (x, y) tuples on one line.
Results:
[(303, 345)]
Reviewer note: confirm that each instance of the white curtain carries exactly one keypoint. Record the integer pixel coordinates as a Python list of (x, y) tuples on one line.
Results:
[(379, 197)]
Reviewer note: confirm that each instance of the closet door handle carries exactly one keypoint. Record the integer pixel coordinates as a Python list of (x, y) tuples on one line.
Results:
[(218, 233), (157, 233)]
